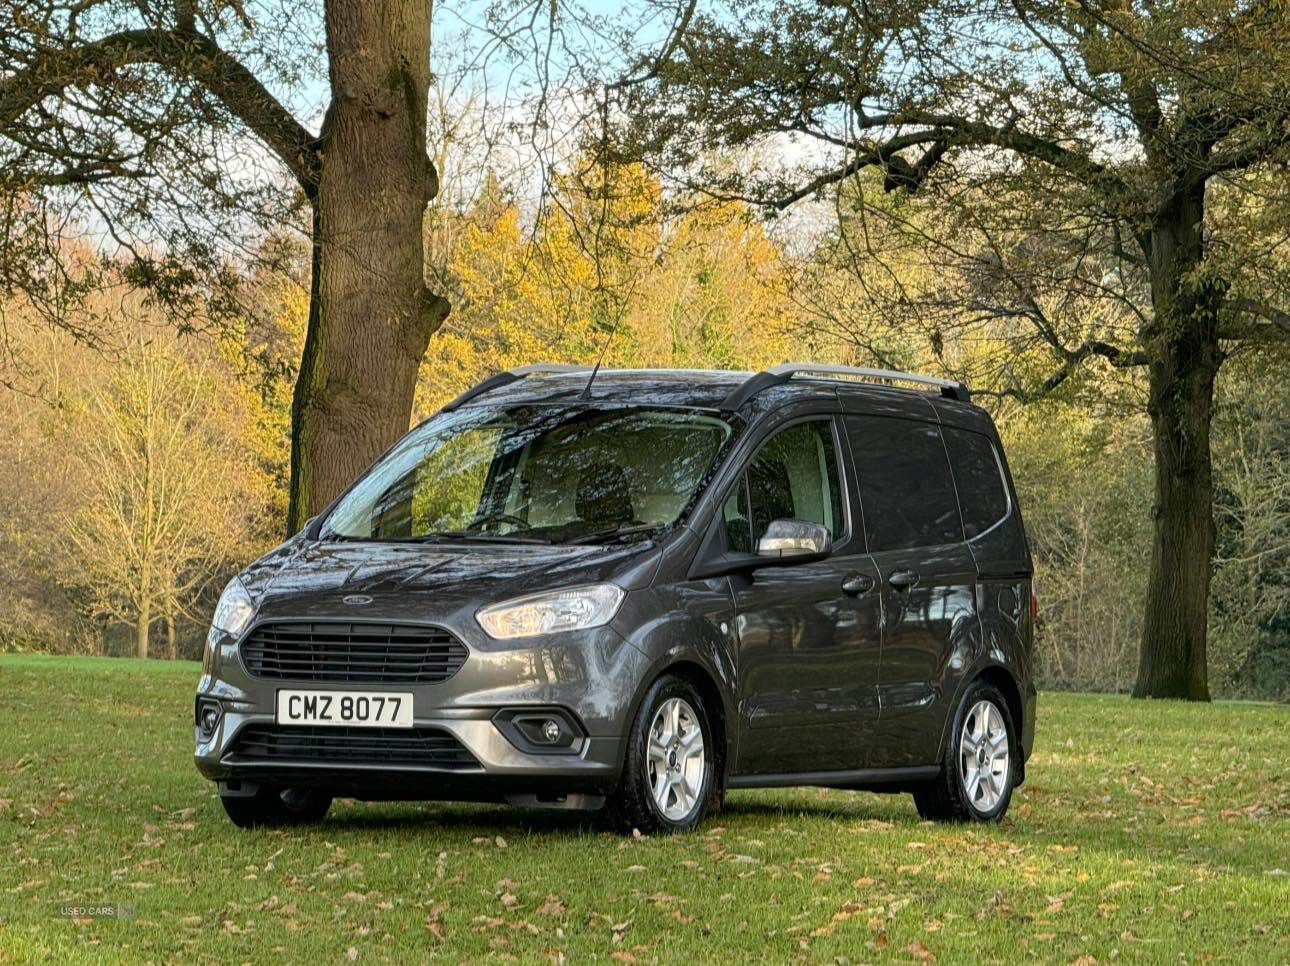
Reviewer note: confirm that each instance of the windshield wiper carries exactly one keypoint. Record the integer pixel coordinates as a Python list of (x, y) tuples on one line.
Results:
[(482, 537), (615, 534), (439, 536)]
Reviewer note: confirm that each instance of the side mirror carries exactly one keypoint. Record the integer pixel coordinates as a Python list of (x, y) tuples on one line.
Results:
[(784, 542), (793, 538)]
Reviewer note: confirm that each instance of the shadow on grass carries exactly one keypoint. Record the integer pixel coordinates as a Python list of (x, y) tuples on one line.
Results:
[(498, 819), (858, 807), (480, 819)]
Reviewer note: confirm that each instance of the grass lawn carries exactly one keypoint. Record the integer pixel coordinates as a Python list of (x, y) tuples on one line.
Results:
[(1151, 831)]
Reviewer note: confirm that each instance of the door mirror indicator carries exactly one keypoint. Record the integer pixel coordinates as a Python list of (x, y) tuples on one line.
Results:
[(792, 538)]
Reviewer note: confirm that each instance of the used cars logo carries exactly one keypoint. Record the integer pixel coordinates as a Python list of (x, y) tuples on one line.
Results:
[(357, 600)]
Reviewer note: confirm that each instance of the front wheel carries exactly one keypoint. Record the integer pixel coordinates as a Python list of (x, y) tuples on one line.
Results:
[(979, 770), (271, 807), (669, 770)]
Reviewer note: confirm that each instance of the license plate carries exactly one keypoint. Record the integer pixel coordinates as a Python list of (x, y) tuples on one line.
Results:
[(354, 709)]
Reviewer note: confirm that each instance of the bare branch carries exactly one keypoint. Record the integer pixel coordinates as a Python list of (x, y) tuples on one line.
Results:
[(1117, 357), (1263, 323), (186, 53), (961, 131)]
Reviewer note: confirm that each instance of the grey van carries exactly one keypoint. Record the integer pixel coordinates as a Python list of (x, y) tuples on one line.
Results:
[(632, 590)]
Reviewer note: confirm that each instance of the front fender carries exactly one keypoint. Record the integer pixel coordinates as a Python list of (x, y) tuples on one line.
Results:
[(689, 625)]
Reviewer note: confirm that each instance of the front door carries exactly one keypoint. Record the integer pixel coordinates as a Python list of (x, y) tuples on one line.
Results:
[(808, 633)]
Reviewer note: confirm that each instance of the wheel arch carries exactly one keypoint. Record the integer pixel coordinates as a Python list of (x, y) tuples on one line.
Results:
[(1001, 679), (714, 703), (704, 680), (1005, 682)]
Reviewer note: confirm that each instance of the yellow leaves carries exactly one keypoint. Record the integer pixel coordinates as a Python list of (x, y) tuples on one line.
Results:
[(707, 289)]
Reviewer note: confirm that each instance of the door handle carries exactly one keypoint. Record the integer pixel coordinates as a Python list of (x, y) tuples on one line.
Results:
[(903, 579), (856, 584)]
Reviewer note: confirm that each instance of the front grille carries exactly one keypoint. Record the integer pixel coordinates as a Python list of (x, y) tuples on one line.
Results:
[(335, 651), (426, 747)]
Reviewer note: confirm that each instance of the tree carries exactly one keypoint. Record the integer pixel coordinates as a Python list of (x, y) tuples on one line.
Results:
[(605, 274), (1098, 152), (168, 487), (1251, 652), (152, 114)]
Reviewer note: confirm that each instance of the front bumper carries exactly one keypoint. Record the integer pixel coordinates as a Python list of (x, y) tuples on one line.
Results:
[(591, 675)]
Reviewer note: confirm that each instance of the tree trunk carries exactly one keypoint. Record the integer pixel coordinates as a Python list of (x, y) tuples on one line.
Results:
[(141, 628), (371, 315), (172, 649), (1183, 343)]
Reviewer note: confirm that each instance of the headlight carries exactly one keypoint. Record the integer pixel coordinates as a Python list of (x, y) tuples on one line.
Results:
[(575, 609), (235, 609)]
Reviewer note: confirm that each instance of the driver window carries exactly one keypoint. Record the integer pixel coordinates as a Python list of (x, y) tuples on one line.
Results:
[(794, 476), (451, 479)]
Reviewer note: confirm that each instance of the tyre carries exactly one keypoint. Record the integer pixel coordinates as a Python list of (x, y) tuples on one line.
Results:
[(275, 806), (979, 770), (669, 769)]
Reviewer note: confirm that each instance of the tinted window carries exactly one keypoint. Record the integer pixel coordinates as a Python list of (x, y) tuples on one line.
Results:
[(980, 481), (738, 519), (794, 476), (905, 483)]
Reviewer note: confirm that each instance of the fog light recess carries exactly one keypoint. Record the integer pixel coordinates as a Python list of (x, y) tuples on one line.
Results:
[(541, 731), (207, 716)]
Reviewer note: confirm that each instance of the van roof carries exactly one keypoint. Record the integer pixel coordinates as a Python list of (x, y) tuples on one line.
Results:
[(719, 389)]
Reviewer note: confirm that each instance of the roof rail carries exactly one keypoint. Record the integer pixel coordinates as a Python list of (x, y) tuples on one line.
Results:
[(509, 376), (777, 375)]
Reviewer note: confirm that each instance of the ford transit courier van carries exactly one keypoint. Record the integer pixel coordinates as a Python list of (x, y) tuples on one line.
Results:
[(631, 591)]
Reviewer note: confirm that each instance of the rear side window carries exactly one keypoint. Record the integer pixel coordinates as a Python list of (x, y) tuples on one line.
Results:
[(905, 483), (980, 480), (794, 476)]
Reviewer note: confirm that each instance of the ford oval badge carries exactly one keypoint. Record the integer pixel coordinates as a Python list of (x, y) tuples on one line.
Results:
[(357, 600)]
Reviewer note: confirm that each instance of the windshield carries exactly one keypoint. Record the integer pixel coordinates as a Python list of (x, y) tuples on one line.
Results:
[(539, 473)]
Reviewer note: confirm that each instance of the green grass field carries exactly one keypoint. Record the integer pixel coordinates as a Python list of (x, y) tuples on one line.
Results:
[(1148, 831)]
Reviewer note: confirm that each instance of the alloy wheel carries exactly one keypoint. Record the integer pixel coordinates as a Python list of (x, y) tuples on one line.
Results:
[(983, 756), (674, 762)]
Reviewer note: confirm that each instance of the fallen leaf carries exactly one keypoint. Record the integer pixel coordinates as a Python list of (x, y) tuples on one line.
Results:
[(921, 951), (551, 906)]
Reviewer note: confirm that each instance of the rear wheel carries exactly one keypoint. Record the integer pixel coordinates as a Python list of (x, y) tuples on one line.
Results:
[(979, 769), (276, 806), (668, 774)]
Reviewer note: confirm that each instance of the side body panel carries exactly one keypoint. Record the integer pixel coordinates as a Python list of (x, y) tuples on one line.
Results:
[(930, 628), (930, 634), (1004, 576), (807, 651)]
